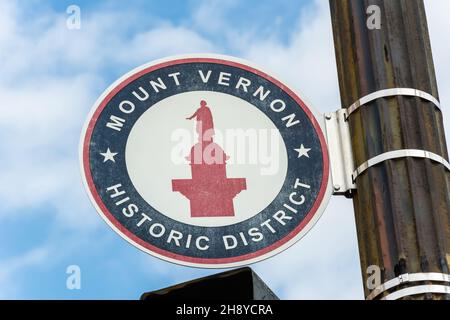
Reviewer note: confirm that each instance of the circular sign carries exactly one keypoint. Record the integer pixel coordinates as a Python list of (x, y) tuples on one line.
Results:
[(205, 161)]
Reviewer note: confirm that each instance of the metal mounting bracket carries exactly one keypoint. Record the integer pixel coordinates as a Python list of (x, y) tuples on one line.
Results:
[(402, 153), (343, 170), (412, 278), (340, 152), (391, 93)]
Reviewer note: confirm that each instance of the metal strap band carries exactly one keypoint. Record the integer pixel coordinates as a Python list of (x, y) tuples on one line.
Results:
[(402, 153), (406, 278), (389, 93), (406, 292)]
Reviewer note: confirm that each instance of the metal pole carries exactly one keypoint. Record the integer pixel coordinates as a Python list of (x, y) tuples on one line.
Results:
[(402, 205)]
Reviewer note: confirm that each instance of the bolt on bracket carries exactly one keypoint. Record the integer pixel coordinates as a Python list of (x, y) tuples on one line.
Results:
[(340, 152)]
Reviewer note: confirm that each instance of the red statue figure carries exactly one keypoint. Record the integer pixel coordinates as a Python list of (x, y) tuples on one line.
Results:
[(205, 124), (209, 191)]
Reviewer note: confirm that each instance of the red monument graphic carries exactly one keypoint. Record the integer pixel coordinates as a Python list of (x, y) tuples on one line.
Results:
[(209, 191)]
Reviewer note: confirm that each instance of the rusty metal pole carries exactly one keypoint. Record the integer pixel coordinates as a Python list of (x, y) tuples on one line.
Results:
[(402, 206)]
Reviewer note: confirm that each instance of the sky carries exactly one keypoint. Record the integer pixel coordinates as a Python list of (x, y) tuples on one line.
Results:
[(50, 77)]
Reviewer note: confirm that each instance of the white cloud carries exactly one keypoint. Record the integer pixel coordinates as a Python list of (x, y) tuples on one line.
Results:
[(47, 87), (164, 41), (210, 16), (7, 22), (438, 25), (307, 60), (41, 123), (10, 270), (324, 264)]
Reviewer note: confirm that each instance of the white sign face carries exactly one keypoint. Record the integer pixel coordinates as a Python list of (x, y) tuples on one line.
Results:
[(242, 140), (205, 161)]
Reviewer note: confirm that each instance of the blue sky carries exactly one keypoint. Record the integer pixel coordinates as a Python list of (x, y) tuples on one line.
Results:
[(51, 76)]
